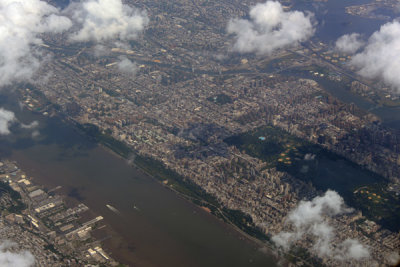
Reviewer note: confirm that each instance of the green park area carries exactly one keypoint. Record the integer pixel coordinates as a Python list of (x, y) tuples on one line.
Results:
[(197, 195), (324, 169), (105, 139), (270, 144), (220, 99), (379, 204)]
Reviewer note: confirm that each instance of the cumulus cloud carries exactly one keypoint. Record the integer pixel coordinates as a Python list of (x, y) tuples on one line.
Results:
[(35, 134), (127, 66), (6, 118), (380, 58), (309, 156), (31, 125), (351, 249), (10, 258), (349, 43), (270, 28), (102, 20), (309, 218), (21, 23)]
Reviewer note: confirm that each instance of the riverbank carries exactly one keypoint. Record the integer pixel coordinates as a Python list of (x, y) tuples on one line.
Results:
[(178, 184), (157, 227), (390, 116), (186, 189)]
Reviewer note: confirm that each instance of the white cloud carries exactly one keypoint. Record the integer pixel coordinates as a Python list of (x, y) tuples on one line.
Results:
[(35, 134), (102, 20), (270, 28), (309, 218), (31, 125), (127, 66), (21, 23), (313, 211), (349, 43), (6, 118), (351, 249), (380, 58), (100, 50), (393, 258), (10, 258)]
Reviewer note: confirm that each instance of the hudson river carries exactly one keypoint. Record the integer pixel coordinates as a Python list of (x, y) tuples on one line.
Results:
[(155, 227)]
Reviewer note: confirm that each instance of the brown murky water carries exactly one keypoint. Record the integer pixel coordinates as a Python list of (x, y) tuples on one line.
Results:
[(154, 227)]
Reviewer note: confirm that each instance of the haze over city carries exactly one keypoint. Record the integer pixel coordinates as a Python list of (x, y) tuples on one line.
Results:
[(199, 133)]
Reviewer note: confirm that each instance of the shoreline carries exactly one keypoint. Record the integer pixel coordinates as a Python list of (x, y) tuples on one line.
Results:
[(261, 244), (53, 113), (197, 201), (36, 220)]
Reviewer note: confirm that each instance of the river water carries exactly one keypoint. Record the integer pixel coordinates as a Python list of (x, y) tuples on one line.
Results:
[(333, 22), (163, 229), (155, 226), (390, 116)]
